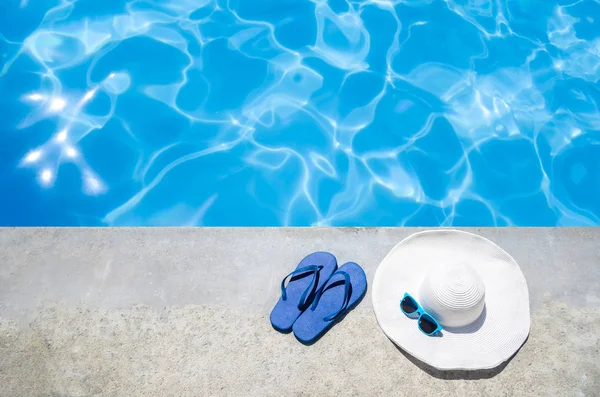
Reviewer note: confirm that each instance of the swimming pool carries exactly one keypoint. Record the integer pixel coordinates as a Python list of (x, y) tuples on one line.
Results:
[(198, 112)]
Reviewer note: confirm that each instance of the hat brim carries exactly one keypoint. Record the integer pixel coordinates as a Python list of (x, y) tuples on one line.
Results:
[(491, 340)]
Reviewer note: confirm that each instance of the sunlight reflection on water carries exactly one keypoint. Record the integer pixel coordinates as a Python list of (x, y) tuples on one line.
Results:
[(181, 112)]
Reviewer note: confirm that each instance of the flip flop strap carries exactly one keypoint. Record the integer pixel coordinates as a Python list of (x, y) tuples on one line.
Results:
[(309, 290), (347, 295)]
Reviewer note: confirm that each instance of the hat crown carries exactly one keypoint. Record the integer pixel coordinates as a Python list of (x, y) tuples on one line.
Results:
[(454, 294)]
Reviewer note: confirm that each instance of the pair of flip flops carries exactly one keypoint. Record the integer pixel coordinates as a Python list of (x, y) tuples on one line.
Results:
[(317, 296)]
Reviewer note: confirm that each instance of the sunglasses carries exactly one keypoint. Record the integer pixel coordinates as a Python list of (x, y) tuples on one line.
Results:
[(427, 324)]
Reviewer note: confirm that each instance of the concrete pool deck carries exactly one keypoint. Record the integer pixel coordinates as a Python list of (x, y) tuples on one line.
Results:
[(184, 312)]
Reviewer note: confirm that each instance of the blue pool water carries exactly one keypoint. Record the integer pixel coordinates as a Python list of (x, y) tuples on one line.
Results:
[(281, 112)]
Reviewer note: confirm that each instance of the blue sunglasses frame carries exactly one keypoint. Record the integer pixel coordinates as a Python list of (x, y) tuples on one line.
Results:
[(421, 313)]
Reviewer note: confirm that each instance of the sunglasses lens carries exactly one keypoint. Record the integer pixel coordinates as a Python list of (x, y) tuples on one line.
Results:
[(408, 305), (427, 324)]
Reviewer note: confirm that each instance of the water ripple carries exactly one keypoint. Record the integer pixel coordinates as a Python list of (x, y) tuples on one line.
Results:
[(374, 112)]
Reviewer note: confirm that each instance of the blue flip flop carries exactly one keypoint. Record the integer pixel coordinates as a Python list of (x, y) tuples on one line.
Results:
[(342, 292), (309, 277)]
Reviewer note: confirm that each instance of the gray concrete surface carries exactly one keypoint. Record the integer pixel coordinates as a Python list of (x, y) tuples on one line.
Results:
[(184, 312)]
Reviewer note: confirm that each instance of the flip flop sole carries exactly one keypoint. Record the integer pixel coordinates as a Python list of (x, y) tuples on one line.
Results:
[(285, 312), (311, 324)]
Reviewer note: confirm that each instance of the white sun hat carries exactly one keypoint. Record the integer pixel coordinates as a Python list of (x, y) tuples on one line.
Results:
[(473, 288)]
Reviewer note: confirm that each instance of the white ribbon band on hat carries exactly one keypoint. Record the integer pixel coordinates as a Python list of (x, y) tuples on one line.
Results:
[(472, 287)]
